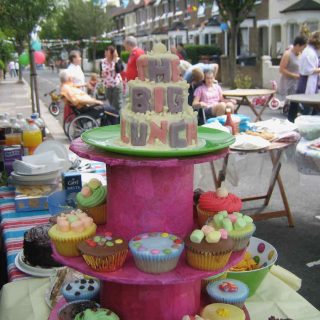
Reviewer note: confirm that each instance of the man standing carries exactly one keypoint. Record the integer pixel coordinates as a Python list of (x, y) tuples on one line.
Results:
[(16, 65), (74, 69), (130, 44)]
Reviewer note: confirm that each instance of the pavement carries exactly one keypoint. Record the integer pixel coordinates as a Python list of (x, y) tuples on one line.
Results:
[(247, 175)]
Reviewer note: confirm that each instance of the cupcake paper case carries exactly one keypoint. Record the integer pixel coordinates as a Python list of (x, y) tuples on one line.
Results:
[(71, 228), (156, 252), (92, 200), (104, 253), (228, 291), (240, 227), (211, 203)]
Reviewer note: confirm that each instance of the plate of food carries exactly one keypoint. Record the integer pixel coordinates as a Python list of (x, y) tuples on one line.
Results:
[(36, 271), (246, 142)]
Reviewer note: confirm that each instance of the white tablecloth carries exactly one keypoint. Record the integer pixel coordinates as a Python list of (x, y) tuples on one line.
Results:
[(308, 160)]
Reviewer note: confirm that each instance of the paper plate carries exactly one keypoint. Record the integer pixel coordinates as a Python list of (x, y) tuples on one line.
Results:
[(246, 142), (33, 271), (210, 140)]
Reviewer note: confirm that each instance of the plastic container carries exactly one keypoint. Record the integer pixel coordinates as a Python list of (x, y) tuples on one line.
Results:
[(39, 122), (31, 137), (60, 201), (21, 121), (308, 126), (265, 255), (14, 134), (4, 127)]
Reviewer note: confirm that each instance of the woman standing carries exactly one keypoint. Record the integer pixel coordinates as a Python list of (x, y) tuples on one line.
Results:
[(111, 67), (289, 67), (309, 74)]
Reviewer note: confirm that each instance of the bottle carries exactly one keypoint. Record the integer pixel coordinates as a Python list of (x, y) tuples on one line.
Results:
[(14, 134), (39, 122), (229, 122), (21, 121), (31, 137), (4, 127)]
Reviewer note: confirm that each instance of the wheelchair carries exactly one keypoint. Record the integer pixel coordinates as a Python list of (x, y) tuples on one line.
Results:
[(76, 121)]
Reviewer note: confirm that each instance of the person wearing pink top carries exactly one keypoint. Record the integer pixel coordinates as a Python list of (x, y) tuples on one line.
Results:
[(209, 96)]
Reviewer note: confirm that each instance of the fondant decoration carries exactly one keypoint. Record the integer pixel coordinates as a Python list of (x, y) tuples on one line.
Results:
[(159, 70), (157, 132), (174, 135), (141, 100), (139, 134), (175, 99)]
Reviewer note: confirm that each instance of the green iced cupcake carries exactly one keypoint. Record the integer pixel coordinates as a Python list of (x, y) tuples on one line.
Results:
[(92, 200), (240, 227), (96, 314)]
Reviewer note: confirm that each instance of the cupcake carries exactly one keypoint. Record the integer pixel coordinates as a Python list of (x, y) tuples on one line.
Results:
[(222, 311), (96, 314), (70, 229), (216, 277), (228, 291), (210, 203), (240, 227), (70, 310), (208, 249), (104, 253), (81, 290), (92, 200), (156, 252)]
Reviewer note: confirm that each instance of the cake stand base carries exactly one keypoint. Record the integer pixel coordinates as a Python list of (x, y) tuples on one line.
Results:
[(170, 302)]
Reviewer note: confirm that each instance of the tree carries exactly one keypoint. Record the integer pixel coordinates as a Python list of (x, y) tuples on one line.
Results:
[(22, 16), (6, 48), (84, 20), (234, 12)]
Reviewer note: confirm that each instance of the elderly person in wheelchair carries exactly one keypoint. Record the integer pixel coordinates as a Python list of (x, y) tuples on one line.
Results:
[(85, 103)]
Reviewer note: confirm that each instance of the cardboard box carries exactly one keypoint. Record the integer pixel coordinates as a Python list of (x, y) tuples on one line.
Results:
[(71, 182), (35, 203)]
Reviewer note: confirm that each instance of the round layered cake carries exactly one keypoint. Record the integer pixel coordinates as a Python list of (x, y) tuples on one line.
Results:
[(37, 247), (156, 252), (157, 115), (105, 253)]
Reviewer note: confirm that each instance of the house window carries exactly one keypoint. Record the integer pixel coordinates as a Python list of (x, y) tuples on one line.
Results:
[(210, 38), (165, 6), (313, 26), (244, 45)]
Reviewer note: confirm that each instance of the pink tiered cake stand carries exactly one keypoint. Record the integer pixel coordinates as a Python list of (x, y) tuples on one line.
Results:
[(145, 195)]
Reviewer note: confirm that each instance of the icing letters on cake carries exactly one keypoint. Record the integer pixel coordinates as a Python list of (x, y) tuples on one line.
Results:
[(158, 114)]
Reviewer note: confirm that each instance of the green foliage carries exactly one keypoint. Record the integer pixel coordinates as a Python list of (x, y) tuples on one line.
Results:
[(100, 48), (6, 48), (195, 51), (243, 81), (83, 20), (2, 65), (125, 56)]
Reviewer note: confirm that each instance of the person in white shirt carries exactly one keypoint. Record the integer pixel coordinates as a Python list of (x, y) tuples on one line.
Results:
[(309, 74), (74, 69), (12, 69), (16, 65)]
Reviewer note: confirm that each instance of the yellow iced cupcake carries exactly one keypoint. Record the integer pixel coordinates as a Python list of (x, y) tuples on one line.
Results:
[(70, 229), (222, 311)]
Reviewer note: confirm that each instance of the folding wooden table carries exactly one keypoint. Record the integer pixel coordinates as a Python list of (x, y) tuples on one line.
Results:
[(275, 151), (243, 99)]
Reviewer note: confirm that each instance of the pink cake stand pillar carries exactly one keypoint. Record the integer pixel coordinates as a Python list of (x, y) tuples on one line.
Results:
[(156, 302), (146, 199)]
